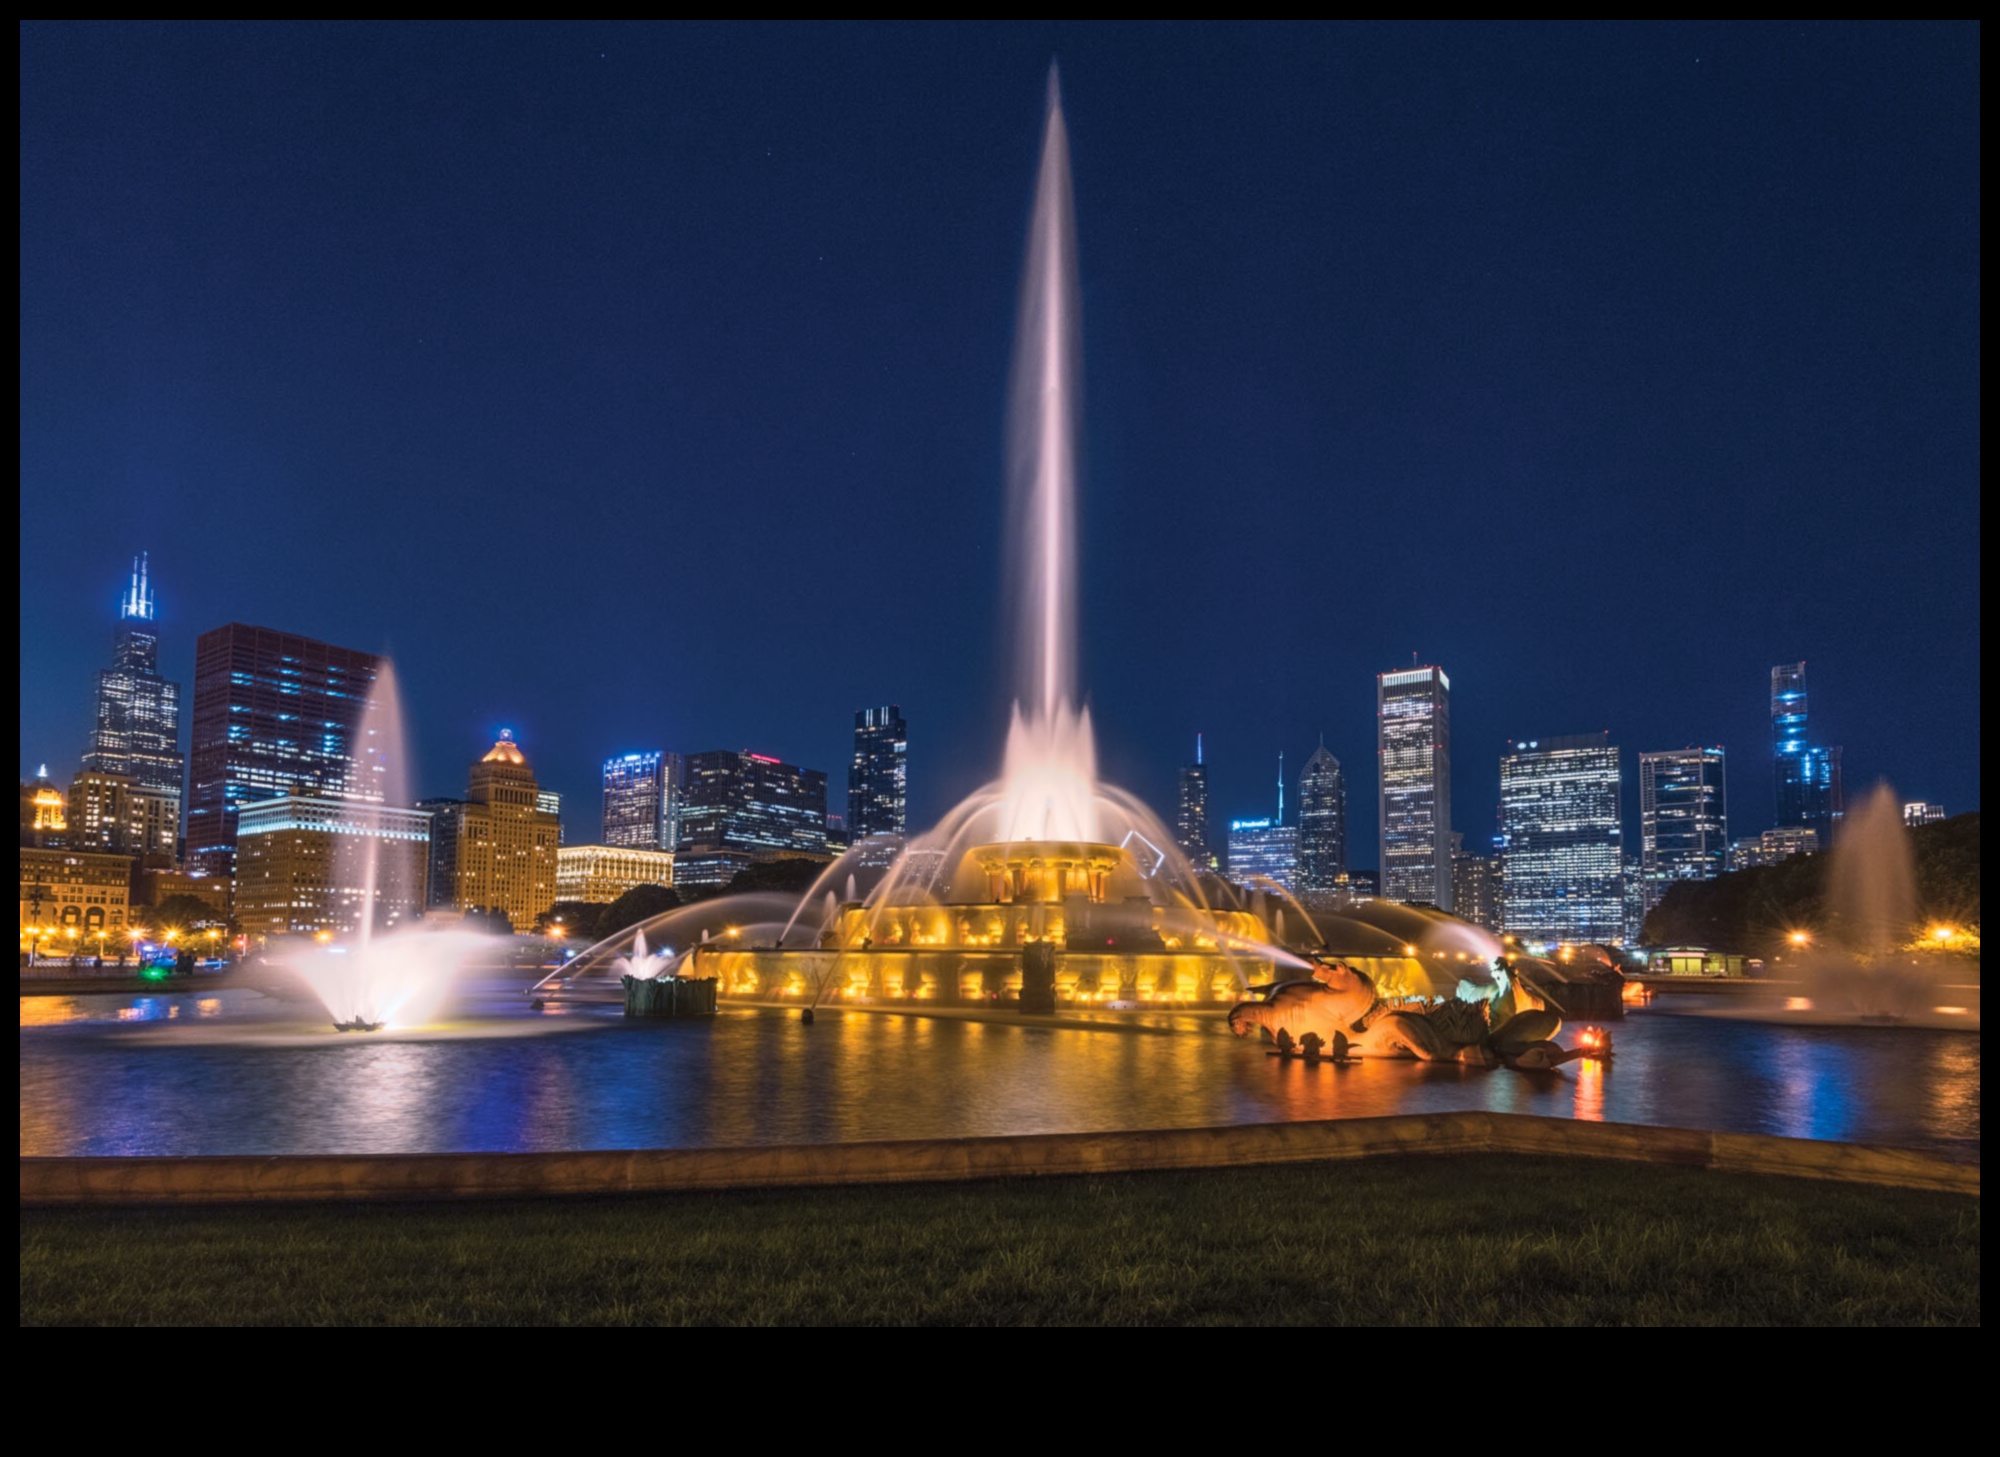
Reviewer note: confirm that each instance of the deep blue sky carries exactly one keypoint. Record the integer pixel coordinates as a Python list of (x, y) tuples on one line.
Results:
[(643, 386)]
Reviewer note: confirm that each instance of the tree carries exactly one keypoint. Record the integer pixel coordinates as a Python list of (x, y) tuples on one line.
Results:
[(577, 920), (640, 903), (182, 913)]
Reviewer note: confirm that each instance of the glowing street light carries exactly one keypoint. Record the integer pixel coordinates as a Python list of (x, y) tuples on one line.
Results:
[(1942, 934)]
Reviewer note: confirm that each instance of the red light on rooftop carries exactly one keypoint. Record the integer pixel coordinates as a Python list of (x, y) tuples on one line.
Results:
[(763, 758)]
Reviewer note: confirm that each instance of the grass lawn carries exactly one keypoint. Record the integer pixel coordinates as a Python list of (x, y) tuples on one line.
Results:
[(1414, 1241)]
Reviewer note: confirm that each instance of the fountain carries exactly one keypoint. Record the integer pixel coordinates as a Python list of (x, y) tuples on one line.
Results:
[(380, 973), (1875, 961), (1048, 886)]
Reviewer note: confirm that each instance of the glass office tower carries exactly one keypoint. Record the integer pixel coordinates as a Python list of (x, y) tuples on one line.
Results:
[(1413, 738), (878, 774), (640, 800), (273, 713), (1322, 822), (1809, 791), (1683, 819), (1261, 850), (1191, 822), (1560, 816), (739, 808)]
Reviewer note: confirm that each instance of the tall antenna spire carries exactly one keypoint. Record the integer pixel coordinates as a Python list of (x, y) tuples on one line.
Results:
[(1197, 748), (138, 603), (1281, 787)]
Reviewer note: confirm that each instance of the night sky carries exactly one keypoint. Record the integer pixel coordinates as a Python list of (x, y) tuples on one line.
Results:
[(644, 386)]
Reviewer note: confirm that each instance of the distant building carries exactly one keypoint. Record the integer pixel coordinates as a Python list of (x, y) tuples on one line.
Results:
[(1191, 824), (1809, 790), (1475, 886), (549, 802), (1413, 736), (839, 839), (1922, 812), (44, 812), (506, 844), (1635, 887), (136, 731), (69, 898), (1683, 820), (601, 873), (213, 891), (441, 882), (878, 774), (641, 799), (1773, 847), (109, 812), (1263, 850), (302, 865), (1560, 817), (274, 713), (740, 809), (1322, 822)]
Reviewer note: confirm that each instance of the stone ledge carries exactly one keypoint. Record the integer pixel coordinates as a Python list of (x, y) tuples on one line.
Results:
[(135, 1180)]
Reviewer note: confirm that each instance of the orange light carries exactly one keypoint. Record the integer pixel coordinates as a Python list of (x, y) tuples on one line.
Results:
[(1942, 934), (1799, 938)]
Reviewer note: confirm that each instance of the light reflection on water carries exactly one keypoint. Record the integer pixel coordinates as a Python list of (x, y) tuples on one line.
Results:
[(212, 1075)]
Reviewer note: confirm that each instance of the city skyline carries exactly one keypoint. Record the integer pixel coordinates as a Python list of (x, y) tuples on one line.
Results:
[(206, 435)]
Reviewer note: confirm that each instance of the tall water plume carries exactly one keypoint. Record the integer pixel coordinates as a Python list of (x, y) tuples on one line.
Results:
[(1049, 781), (378, 778)]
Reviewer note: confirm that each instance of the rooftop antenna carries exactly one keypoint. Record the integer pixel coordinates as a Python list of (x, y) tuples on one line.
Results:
[(138, 603), (1281, 787), (1197, 748)]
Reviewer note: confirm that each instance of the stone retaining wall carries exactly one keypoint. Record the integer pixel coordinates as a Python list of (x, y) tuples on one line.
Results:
[(494, 1175)]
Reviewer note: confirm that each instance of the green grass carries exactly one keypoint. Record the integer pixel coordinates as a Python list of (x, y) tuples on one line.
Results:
[(1417, 1241)]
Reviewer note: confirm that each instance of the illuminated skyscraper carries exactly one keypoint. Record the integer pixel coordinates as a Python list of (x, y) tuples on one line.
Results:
[(507, 844), (137, 733), (878, 774), (1808, 776), (641, 799), (1919, 812), (740, 809), (1261, 850), (1475, 886), (1413, 736), (1322, 822), (1560, 819), (1683, 820), (1191, 824), (273, 713)]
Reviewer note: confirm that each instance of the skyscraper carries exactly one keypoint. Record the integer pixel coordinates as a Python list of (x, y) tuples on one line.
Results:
[(1683, 820), (1475, 886), (1808, 776), (1560, 818), (273, 712), (1322, 821), (1413, 736), (878, 774), (507, 844), (1261, 850), (639, 799), (740, 809), (1191, 824), (137, 732)]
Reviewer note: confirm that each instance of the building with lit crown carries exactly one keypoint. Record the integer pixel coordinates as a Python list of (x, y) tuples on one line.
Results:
[(1560, 813), (136, 730), (1921, 812), (507, 846), (1413, 737), (1322, 822), (1683, 820), (274, 714), (302, 865), (600, 874), (44, 812), (1809, 790), (740, 809), (879, 773)]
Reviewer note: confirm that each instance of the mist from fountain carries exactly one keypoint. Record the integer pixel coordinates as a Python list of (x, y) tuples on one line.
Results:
[(379, 974)]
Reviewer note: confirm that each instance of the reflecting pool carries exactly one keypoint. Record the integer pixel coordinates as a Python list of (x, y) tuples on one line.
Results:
[(235, 1072)]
